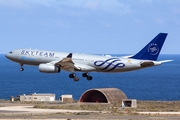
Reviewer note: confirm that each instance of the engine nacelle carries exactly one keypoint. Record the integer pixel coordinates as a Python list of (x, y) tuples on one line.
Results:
[(48, 68)]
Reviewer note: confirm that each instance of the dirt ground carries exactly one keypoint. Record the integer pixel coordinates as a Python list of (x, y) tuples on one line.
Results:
[(92, 111)]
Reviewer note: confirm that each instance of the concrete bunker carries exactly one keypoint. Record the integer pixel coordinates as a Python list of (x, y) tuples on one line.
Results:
[(103, 95)]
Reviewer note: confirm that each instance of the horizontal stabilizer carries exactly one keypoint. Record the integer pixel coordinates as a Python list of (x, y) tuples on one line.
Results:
[(153, 63), (163, 61)]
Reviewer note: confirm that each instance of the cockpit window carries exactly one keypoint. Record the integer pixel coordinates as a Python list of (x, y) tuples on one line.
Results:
[(10, 52)]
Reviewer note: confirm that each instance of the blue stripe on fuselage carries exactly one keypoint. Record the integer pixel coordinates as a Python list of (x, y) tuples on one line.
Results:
[(100, 63)]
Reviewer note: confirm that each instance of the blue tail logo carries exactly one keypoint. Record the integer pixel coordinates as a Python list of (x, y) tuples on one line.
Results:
[(152, 49)]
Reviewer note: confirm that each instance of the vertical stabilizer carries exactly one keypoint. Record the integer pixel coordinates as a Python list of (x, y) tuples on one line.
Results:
[(152, 49)]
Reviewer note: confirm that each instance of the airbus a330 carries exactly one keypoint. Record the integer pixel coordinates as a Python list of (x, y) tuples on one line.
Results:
[(54, 62)]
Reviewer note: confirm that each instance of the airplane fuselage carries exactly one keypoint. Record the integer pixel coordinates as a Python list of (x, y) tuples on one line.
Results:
[(93, 62)]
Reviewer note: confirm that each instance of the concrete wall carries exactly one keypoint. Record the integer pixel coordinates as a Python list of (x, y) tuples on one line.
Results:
[(38, 97)]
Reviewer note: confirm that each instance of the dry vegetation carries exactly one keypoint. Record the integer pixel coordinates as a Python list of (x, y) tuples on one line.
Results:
[(108, 109), (115, 108), (158, 106)]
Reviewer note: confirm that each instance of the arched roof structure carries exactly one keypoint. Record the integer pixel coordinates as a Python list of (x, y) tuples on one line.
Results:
[(103, 95)]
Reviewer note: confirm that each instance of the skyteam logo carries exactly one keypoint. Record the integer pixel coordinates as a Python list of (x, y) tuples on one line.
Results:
[(153, 49), (109, 64)]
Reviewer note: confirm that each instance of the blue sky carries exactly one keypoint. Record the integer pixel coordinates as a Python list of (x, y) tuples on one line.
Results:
[(88, 26)]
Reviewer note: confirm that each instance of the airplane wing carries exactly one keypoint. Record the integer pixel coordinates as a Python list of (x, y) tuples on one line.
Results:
[(68, 65)]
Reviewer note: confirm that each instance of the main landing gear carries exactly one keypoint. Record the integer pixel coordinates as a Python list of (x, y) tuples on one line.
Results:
[(73, 75), (87, 76), (21, 68)]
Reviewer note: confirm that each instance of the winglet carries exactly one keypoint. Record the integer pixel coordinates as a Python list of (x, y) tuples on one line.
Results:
[(152, 49), (70, 55)]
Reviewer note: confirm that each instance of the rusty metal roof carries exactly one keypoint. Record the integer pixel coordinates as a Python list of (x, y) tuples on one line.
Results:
[(105, 95)]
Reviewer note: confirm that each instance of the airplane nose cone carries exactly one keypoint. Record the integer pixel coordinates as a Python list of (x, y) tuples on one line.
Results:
[(7, 55)]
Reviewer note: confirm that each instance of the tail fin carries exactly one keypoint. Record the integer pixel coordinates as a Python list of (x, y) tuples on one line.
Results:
[(152, 49)]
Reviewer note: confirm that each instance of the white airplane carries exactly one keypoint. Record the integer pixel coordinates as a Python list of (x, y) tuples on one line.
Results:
[(54, 62)]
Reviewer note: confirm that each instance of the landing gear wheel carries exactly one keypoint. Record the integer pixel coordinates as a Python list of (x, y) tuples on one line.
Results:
[(85, 74), (76, 79), (71, 76), (21, 69), (89, 77)]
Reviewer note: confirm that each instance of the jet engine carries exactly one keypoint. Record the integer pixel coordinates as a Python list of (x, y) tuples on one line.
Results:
[(48, 68)]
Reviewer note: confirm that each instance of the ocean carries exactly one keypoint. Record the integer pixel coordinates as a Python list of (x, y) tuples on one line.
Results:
[(154, 83)]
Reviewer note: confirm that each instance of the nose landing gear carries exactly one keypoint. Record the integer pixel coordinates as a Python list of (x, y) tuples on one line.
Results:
[(21, 68)]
